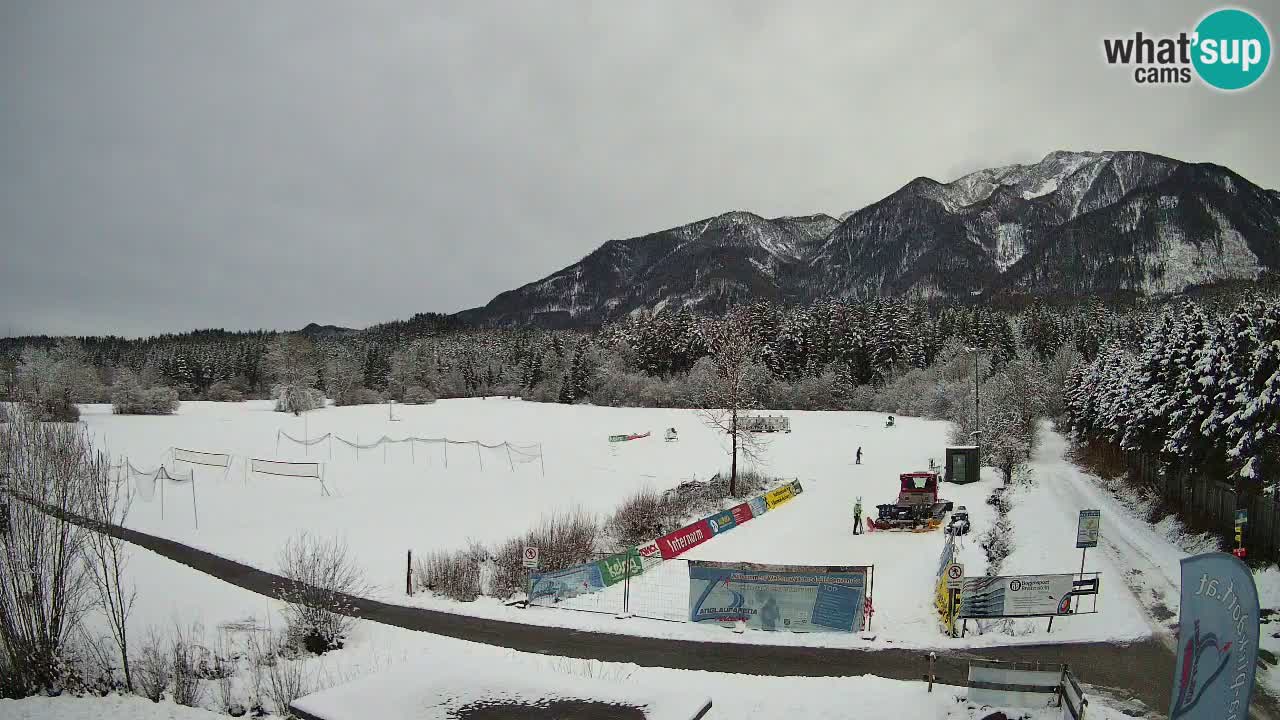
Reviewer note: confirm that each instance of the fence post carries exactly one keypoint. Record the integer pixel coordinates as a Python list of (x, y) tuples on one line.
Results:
[(932, 658), (626, 586), (408, 574)]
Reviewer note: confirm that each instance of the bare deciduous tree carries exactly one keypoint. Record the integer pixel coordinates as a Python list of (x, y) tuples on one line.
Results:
[(292, 365), (106, 555), (725, 395), (44, 586)]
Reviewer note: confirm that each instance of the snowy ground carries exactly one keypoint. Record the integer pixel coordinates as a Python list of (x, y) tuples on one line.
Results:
[(385, 508), (171, 593), (384, 504)]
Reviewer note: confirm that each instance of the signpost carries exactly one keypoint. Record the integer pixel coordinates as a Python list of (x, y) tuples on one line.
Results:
[(529, 558), (1088, 529), (1242, 519), (955, 579)]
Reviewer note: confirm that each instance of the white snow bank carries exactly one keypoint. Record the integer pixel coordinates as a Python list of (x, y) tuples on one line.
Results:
[(111, 707), (436, 688)]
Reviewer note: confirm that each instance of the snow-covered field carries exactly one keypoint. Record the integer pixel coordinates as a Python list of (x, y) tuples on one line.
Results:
[(385, 507), (388, 501), (172, 593)]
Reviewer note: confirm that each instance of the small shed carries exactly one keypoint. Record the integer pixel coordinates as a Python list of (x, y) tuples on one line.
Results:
[(963, 464)]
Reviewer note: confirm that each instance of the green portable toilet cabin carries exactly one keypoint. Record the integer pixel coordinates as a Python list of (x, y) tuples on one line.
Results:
[(963, 465)]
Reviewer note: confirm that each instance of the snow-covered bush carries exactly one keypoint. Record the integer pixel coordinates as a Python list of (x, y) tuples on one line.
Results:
[(185, 653), (223, 392), (454, 575), (153, 667), (563, 540), (641, 517), (322, 578), (297, 399), (128, 397), (418, 395), (358, 396)]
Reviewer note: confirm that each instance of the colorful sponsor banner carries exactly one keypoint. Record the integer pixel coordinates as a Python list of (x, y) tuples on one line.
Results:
[(567, 583), (741, 513), (689, 536), (758, 506), (799, 598), (1217, 640), (782, 494), (649, 550), (1016, 596), (614, 569), (722, 522)]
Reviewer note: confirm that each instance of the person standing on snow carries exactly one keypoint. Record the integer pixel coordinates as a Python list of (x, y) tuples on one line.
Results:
[(857, 516), (858, 459)]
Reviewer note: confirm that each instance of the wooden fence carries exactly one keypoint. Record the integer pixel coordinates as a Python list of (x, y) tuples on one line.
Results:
[(1208, 504)]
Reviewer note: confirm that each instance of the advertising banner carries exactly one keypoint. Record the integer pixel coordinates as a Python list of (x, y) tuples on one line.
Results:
[(741, 513), (779, 495), (1015, 596), (649, 550), (1217, 640), (567, 583), (758, 506), (613, 569), (689, 536), (722, 522), (799, 598)]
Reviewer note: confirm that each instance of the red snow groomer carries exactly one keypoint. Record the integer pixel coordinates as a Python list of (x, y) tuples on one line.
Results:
[(918, 508)]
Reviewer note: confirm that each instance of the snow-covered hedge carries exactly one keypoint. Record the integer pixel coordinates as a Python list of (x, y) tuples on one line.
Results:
[(418, 395), (128, 397), (296, 399)]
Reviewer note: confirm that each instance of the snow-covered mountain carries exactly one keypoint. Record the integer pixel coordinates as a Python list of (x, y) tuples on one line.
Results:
[(1074, 223)]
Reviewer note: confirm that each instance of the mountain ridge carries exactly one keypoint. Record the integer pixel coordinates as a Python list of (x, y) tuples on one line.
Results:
[(1073, 223)]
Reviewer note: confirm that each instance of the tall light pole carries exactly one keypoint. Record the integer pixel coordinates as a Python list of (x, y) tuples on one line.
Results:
[(977, 425)]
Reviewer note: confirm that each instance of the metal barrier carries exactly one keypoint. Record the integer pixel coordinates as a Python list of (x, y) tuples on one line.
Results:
[(1014, 684), (1025, 684)]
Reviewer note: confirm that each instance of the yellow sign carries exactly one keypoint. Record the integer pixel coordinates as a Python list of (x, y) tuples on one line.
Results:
[(776, 497), (946, 611)]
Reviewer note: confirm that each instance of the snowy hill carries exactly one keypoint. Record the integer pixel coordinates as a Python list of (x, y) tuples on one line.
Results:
[(1074, 223)]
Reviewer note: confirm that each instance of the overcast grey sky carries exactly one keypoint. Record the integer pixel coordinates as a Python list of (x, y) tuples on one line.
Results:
[(244, 164)]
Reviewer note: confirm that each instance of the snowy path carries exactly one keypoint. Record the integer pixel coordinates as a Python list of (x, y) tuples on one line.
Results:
[(1044, 517), (1149, 563)]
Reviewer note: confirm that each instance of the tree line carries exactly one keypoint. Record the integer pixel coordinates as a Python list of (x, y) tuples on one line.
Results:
[(1197, 390)]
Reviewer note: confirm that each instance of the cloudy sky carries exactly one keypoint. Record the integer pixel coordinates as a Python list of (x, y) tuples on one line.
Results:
[(241, 164)]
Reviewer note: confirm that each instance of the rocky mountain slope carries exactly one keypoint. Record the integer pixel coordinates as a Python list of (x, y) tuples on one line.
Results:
[(1075, 223)]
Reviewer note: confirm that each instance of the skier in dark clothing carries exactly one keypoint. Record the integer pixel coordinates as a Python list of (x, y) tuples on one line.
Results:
[(857, 516), (858, 459)]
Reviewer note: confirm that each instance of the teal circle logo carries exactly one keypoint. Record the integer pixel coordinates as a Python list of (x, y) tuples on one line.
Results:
[(1232, 49)]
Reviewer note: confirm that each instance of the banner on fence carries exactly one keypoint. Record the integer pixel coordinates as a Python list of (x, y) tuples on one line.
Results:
[(799, 598), (615, 568), (689, 536), (758, 506), (197, 457), (1217, 639), (567, 583), (1016, 596), (727, 520), (782, 494)]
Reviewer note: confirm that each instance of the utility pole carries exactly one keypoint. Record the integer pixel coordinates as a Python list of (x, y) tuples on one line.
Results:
[(977, 418)]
